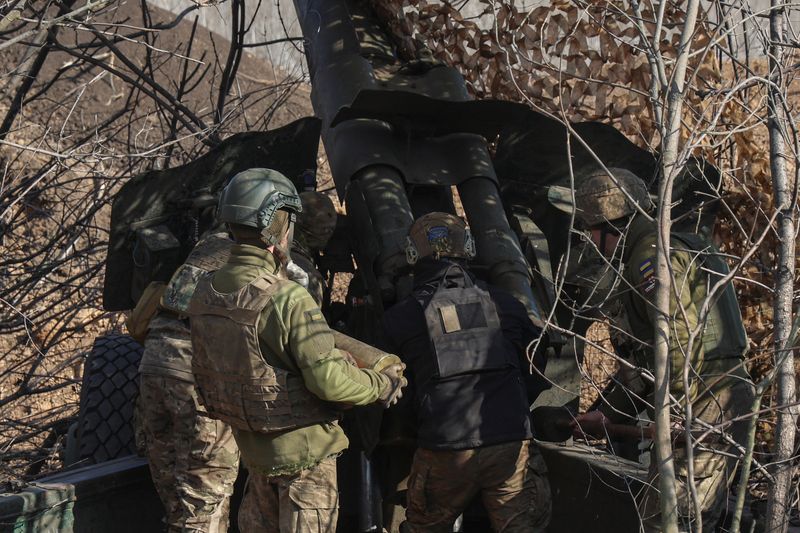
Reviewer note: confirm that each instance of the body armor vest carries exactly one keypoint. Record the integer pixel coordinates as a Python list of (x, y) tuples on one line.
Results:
[(234, 382), (169, 352), (724, 334), (208, 255), (464, 329)]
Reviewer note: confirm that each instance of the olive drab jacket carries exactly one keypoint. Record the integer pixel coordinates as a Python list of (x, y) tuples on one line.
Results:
[(241, 388), (262, 336), (716, 355)]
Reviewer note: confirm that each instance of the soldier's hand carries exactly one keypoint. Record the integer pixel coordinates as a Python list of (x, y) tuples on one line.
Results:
[(349, 357), (592, 423), (394, 389)]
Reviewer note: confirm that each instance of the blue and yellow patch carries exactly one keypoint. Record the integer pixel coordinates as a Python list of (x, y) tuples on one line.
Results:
[(647, 270), (438, 238)]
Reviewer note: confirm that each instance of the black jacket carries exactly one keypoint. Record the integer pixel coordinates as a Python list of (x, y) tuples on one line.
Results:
[(472, 410)]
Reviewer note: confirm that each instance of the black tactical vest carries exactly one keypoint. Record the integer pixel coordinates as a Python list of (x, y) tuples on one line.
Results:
[(464, 329), (468, 387)]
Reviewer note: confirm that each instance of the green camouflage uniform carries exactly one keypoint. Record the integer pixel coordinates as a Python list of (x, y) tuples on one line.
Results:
[(720, 388), (292, 473), (193, 459)]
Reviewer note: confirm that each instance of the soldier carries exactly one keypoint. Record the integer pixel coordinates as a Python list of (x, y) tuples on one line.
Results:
[(193, 459), (315, 226), (265, 362), (465, 345), (719, 386)]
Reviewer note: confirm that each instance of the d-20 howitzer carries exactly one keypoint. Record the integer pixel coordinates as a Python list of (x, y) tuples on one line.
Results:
[(403, 138), (394, 156)]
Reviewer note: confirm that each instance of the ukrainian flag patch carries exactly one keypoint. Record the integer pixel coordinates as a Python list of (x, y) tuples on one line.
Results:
[(646, 268), (647, 271)]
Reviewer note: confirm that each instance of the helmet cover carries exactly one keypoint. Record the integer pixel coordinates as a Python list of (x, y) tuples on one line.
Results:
[(439, 235), (599, 198), (316, 223)]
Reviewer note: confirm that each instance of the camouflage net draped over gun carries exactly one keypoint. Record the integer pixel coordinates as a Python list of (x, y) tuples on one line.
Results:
[(580, 61), (589, 61)]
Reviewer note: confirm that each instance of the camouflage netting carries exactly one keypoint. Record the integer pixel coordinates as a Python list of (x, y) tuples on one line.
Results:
[(589, 61)]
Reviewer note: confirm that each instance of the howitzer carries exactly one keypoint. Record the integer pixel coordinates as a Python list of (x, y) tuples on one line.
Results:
[(400, 136)]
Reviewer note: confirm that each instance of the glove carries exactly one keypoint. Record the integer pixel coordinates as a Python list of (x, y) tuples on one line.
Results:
[(393, 391), (296, 274)]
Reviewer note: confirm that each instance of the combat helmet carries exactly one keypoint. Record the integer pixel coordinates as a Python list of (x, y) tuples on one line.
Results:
[(260, 198), (315, 225), (439, 235), (599, 198)]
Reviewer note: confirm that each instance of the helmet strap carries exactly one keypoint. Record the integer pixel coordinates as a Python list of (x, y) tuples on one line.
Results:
[(412, 254), (607, 229)]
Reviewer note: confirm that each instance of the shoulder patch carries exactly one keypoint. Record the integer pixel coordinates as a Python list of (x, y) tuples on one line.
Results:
[(315, 315), (649, 285), (647, 271), (646, 268)]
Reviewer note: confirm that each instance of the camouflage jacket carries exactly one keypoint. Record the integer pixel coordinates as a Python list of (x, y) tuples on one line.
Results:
[(715, 355), (167, 348)]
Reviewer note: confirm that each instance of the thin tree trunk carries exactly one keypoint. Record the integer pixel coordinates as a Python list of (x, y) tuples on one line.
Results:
[(744, 476), (670, 165), (783, 447)]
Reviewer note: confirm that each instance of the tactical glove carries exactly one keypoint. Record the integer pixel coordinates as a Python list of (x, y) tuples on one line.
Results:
[(393, 391)]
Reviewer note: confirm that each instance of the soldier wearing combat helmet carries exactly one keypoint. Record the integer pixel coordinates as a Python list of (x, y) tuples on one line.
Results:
[(265, 363), (465, 346), (193, 458), (611, 207)]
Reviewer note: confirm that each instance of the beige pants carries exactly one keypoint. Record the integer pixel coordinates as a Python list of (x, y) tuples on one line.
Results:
[(511, 479), (306, 502)]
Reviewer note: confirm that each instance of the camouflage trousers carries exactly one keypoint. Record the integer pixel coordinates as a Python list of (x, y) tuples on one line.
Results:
[(305, 502), (511, 479), (194, 460), (714, 464)]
